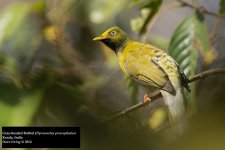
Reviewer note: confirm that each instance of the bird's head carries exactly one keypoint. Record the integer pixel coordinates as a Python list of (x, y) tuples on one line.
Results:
[(114, 38)]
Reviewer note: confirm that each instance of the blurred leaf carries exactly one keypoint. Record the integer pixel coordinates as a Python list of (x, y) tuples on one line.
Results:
[(135, 2), (210, 56), (23, 112), (51, 33), (11, 19), (158, 118), (137, 23), (222, 7), (39, 6), (147, 13), (154, 6), (8, 72), (160, 42), (133, 89), (19, 109), (189, 38)]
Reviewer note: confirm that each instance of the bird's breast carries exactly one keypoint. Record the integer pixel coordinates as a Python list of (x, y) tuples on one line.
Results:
[(121, 57)]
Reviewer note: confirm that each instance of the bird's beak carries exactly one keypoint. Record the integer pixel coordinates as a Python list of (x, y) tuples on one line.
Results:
[(101, 37), (98, 38)]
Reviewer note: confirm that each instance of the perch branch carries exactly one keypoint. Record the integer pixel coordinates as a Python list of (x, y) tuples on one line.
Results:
[(205, 74), (156, 95)]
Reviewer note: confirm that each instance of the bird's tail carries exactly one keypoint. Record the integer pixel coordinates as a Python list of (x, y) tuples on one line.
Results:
[(176, 108)]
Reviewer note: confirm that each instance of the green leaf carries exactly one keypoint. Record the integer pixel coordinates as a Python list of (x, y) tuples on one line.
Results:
[(132, 88), (18, 107), (154, 7), (147, 13), (23, 112), (189, 38), (135, 2), (11, 19), (39, 6), (8, 71), (137, 23), (160, 42), (222, 7)]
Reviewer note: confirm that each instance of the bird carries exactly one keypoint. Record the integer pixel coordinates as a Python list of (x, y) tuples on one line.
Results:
[(150, 66)]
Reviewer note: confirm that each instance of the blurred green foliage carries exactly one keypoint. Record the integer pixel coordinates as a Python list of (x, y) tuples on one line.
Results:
[(53, 74), (189, 38), (222, 7), (148, 10)]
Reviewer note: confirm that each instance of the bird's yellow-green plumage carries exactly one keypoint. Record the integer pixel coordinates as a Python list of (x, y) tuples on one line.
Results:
[(149, 66)]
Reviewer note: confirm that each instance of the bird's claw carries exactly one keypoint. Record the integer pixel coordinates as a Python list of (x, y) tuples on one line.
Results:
[(147, 99)]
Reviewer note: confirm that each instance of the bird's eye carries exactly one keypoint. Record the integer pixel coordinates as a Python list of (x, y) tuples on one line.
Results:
[(113, 33)]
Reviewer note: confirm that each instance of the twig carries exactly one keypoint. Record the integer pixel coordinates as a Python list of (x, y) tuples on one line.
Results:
[(174, 5), (205, 74), (156, 95), (200, 9)]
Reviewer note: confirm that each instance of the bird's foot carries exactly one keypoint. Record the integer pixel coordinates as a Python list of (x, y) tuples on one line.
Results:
[(147, 99)]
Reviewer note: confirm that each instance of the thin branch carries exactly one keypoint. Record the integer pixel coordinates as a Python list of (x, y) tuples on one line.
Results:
[(200, 9), (174, 5), (205, 74), (156, 95)]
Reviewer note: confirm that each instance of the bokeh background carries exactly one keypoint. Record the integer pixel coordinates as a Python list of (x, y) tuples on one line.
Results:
[(53, 74)]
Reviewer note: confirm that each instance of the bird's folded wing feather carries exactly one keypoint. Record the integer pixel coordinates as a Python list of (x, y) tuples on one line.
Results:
[(143, 69)]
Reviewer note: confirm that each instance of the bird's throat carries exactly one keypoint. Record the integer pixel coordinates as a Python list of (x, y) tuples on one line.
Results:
[(115, 46)]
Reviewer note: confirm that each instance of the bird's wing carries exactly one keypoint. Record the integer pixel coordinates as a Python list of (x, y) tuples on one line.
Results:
[(184, 79), (141, 67)]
